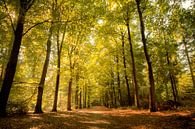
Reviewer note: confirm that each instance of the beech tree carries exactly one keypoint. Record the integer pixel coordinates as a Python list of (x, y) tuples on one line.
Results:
[(149, 63), (25, 5)]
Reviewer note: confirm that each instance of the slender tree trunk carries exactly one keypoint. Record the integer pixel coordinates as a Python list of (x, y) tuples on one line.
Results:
[(84, 96), (69, 94), (70, 83), (167, 92), (57, 76), (171, 75), (175, 86), (136, 96), (110, 92), (80, 99), (77, 92), (113, 88), (12, 63), (57, 86), (125, 71), (149, 63), (59, 51), (114, 95), (189, 63), (106, 99), (38, 107), (88, 100), (119, 82)]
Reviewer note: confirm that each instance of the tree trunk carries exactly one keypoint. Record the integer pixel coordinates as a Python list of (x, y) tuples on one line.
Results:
[(189, 63), (88, 100), (57, 86), (70, 86), (171, 75), (38, 107), (59, 51), (77, 92), (149, 63), (119, 82), (84, 96), (69, 94), (114, 95), (125, 71), (136, 96), (113, 88), (167, 91), (12, 63), (80, 99)]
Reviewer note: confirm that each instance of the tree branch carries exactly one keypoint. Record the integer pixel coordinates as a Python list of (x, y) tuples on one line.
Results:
[(33, 83), (12, 25), (30, 3), (39, 23)]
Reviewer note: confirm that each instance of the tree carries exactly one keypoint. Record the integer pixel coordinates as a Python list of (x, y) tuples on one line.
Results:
[(149, 63), (38, 108), (11, 65), (132, 59), (186, 20), (59, 46), (125, 69)]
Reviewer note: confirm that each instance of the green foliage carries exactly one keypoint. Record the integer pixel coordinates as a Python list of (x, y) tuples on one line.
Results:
[(92, 43)]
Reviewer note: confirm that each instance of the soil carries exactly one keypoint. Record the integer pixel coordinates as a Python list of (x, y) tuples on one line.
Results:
[(102, 118)]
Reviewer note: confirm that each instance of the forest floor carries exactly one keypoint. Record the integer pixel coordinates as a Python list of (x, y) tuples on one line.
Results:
[(102, 118)]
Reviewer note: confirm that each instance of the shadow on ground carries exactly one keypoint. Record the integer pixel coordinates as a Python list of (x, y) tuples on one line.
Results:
[(113, 119)]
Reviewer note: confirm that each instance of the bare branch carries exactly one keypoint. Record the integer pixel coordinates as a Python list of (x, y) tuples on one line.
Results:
[(39, 23), (32, 83), (148, 35), (63, 36), (30, 3), (12, 25)]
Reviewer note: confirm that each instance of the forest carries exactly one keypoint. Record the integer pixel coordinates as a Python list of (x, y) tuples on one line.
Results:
[(67, 55)]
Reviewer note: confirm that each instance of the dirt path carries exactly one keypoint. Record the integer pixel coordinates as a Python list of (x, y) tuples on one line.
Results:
[(101, 119)]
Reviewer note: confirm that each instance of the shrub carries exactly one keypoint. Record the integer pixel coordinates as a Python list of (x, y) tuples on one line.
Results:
[(20, 108)]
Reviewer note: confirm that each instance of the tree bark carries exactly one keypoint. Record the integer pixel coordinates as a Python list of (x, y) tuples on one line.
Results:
[(59, 51), (171, 75), (189, 63), (119, 82), (38, 107), (136, 96), (84, 96), (12, 63), (149, 63), (57, 86), (80, 99), (69, 94), (54, 109), (113, 87), (125, 71), (88, 100), (77, 92)]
